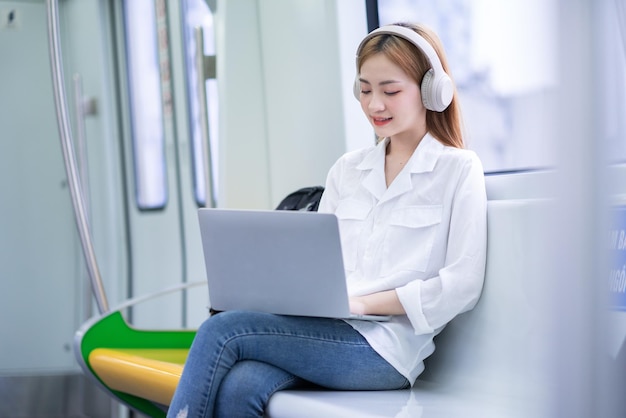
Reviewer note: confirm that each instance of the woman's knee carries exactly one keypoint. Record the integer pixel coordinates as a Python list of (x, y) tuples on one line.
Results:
[(223, 324), (224, 329), (230, 320)]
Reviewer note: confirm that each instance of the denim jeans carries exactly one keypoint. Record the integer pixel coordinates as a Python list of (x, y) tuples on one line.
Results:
[(239, 359)]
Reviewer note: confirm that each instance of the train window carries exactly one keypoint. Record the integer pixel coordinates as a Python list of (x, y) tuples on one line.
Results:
[(505, 74), (144, 82), (197, 14)]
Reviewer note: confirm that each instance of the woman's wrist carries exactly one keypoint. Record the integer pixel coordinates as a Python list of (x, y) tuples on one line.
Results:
[(381, 303)]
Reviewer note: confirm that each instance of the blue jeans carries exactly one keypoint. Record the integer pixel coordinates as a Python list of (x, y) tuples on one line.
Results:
[(239, 359)]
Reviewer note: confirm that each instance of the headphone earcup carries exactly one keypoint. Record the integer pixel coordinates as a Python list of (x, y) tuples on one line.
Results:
[(436, 91), (356, 87)]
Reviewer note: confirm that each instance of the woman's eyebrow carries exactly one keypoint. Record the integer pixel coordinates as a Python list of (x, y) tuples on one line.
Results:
[(382, 83)]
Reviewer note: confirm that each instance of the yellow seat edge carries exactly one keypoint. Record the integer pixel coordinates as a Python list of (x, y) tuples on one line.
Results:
[(139, 372)]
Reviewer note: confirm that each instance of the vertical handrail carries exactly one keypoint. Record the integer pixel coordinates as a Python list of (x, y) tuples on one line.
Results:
[(201, 77), (81, 150), (69, 159), (81, 141)]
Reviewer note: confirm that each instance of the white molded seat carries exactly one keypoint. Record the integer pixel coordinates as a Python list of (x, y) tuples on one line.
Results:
[(488, 361)]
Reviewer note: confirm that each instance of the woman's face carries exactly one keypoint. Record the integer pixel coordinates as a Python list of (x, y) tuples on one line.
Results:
[(391, 99)]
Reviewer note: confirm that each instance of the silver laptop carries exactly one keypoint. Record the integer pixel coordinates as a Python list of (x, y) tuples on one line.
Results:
[(282, 262)]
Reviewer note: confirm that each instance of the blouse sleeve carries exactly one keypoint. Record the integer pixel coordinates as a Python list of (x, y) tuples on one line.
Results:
[(432, 303)]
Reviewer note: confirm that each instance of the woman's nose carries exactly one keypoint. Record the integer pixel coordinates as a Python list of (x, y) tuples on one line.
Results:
[(376, 103)]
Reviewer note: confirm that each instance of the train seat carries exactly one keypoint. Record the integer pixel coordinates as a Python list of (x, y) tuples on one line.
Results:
[(139, 367), (488, 361)]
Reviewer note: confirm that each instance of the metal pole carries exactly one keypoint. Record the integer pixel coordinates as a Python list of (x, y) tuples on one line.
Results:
[(68, 155)]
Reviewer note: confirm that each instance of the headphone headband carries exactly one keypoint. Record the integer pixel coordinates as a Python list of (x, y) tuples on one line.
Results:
[(436, 86)]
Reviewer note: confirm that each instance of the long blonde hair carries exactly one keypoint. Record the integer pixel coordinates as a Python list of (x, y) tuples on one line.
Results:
[(446, 126)]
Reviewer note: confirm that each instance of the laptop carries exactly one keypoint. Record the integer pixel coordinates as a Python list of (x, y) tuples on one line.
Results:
[(281, 262)]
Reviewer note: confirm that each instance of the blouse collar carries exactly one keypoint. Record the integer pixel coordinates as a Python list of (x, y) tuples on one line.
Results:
[(423, 160)]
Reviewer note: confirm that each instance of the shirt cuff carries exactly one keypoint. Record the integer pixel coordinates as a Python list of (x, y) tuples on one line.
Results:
[(410, 297)]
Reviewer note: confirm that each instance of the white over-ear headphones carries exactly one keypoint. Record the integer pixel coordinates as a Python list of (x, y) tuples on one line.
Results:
[(436, 87)]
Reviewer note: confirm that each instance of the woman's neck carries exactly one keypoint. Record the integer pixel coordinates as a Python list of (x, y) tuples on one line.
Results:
[(399, 151), (402, 147)]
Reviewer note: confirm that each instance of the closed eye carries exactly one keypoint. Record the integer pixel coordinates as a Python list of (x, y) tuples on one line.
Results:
[(392, 93)]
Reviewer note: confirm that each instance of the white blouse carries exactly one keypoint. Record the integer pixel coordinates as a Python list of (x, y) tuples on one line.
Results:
[(425, 236)]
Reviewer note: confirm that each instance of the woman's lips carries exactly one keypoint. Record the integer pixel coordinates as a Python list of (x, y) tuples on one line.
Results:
[(381, 121)]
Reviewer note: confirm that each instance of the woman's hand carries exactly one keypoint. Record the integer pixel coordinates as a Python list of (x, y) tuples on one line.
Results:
[(381, 303), (357, 305)]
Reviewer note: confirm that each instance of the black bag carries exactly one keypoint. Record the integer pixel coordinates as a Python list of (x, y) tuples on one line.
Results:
[(305, 199)]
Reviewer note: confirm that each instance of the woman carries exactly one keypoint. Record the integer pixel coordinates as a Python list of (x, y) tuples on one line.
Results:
[(412, 216)]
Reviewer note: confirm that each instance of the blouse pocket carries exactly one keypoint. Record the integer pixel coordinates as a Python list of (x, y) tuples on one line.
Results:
[(351, 215), (410, 238)]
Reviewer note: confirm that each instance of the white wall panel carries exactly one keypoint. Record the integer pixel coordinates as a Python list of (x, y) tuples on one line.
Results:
[(285, 95)]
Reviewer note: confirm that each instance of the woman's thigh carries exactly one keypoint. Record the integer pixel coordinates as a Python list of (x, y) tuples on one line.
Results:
[(327, 352)]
